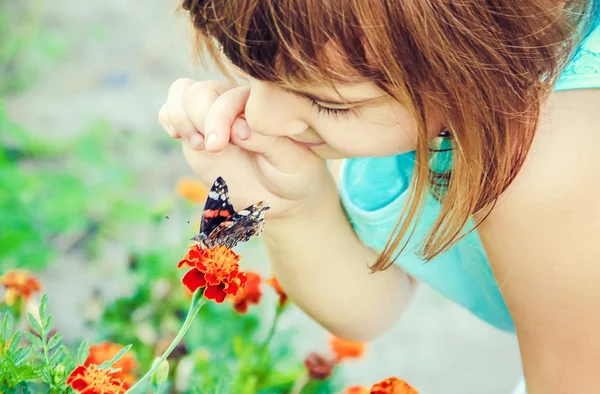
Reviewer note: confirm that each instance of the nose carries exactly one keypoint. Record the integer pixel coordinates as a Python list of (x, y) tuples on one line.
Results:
[(271, 111)]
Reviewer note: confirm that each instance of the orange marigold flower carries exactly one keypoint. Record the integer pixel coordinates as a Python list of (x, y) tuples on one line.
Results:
[(318, 367), (105, 351), (216, 269), (393, 385), (356, 390), (282, 296), (191, 190), (250, 294), (18, 284), (91, 380), (344, 348)]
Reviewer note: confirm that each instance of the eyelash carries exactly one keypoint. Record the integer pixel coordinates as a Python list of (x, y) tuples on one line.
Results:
[(332, 112)]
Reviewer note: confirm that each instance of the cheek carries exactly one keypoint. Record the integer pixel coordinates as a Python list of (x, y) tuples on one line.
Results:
[(380, 132)]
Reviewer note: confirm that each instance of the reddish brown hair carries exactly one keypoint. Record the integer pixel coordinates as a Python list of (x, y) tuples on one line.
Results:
[(484, 65)]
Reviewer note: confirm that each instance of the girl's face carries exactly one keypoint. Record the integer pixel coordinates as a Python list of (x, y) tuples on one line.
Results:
[(359, 120)]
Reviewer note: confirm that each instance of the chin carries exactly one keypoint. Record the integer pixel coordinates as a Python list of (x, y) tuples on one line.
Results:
[(326, 152), (332, 155)]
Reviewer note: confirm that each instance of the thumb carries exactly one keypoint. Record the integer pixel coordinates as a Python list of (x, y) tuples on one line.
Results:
[(280, 151)]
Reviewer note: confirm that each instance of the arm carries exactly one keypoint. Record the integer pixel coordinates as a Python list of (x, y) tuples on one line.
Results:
[(323, 266), (543, 243)]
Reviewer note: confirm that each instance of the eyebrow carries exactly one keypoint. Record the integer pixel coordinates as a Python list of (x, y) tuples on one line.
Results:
[(313, 97)]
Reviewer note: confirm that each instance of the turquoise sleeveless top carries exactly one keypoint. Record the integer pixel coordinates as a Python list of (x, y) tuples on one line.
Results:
[(373, 191)]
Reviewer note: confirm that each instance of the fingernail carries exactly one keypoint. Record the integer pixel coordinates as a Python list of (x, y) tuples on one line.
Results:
[(242, 129), (210, 139), (196, 139)]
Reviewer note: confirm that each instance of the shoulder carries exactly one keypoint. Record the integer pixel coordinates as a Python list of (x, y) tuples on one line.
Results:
[(560, 175), (543, 242)]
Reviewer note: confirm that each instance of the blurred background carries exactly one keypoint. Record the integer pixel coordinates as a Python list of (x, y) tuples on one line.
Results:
[(87, 177)]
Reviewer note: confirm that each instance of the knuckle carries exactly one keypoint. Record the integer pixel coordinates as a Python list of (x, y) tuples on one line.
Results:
[(179, 85), (198, 101), (201, 92)]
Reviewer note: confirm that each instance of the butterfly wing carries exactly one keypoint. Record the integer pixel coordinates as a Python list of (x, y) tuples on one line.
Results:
[(217, 209), (240, 227)]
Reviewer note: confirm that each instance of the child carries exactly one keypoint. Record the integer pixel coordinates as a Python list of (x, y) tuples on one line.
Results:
[(470, 132)]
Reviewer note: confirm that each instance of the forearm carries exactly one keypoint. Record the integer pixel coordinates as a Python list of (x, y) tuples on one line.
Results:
[(324, 268)]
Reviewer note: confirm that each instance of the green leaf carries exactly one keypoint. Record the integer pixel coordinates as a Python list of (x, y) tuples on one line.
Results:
[(48, 324), (7, 323), (83, 351), (43, 302), (54, 341), (60, 355), (117, 357), (35, 325), (20, 355), (14, 341), (34, 340)]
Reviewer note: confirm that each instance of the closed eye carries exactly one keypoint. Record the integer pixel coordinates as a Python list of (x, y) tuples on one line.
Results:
[(322, 109), (332, 112)]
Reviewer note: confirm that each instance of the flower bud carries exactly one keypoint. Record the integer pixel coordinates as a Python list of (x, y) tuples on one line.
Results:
[(59, 373), (318, 367), (161, 374)]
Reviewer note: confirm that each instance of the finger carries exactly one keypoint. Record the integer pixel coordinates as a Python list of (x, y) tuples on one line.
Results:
[(197, 102), (221, 115), (280, 151), (163, 120), (176, 114)]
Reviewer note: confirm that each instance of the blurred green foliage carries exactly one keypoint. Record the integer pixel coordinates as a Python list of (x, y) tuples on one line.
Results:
[(24, 48), (55, 196), (43, 364)]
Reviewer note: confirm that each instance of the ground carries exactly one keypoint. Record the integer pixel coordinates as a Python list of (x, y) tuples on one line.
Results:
[(120, 59)]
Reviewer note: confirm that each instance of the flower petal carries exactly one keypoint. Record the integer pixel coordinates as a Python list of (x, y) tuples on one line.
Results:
[(76, 374), (193, 280), (283, 298), (241, 307), (356, 390), (195, 253), (191, 190), (344, 348), (215, 293), (231, 289), (393, 385), (185, 262), (211, 279)]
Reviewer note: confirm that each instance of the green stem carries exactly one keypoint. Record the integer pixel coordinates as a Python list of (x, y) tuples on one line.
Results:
[(300, 384), (197, 302), (45, 339), (262, 350), (273, 327)]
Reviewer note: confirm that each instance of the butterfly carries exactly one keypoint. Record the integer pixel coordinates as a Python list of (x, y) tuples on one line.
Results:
[(222, 225)]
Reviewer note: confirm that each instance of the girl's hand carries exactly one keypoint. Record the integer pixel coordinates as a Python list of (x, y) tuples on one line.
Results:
[(208, 116)]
